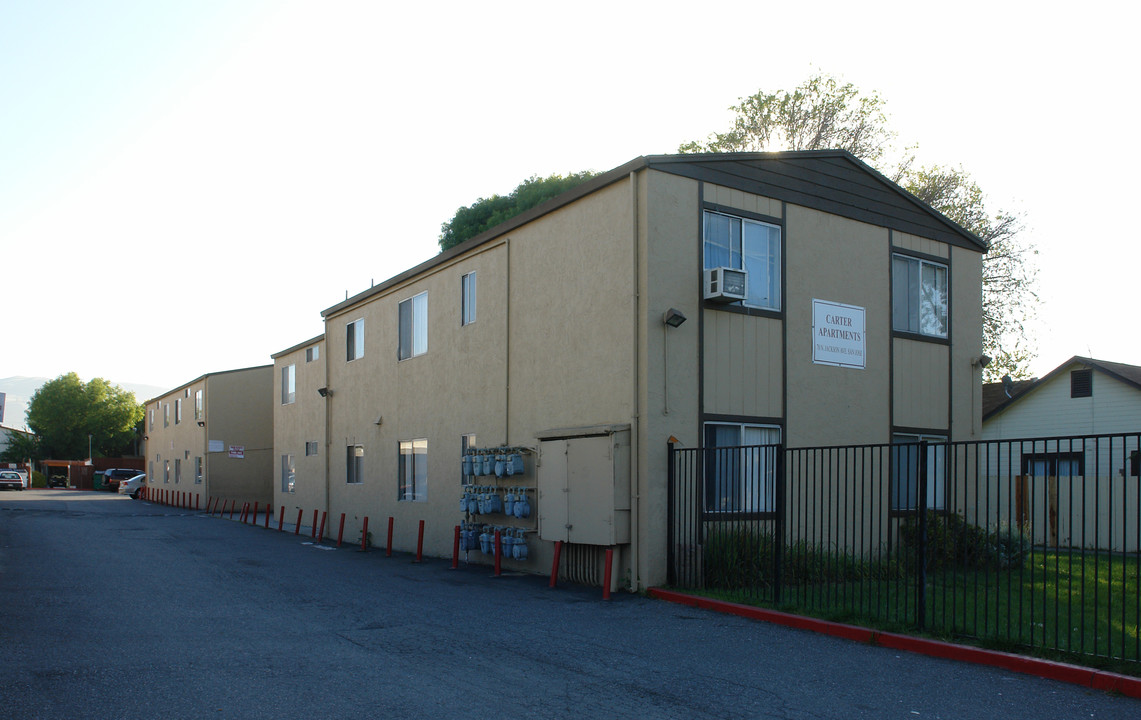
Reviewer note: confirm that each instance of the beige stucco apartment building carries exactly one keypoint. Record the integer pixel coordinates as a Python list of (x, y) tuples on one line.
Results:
[(213, 438), (735, 299), (300, 450)]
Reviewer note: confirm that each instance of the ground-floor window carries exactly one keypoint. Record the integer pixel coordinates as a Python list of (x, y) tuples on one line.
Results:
[(740, 467), (354, 464), (197, 470), (413, 470), (288, 473), (905, 461)]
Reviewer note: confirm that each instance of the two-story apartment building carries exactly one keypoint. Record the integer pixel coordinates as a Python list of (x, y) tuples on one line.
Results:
[(213, 438), (299, 407), (718, 300)]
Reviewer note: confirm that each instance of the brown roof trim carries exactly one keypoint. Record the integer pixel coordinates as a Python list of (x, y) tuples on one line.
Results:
[(665, 163), (298, 346)]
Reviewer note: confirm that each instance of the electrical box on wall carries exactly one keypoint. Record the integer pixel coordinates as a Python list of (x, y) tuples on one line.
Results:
[(584, 486)]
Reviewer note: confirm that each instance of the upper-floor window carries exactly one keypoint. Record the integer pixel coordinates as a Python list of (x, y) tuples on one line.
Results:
[(288, 384), (166, 414), (197, 404), (413, 320), (467, 299), (312, 353), (151, 420), (354, 340), (177, 410), (748, 245), (918, 296)]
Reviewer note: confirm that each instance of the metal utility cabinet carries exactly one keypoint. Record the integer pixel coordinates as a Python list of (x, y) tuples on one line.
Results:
[(584, 485)]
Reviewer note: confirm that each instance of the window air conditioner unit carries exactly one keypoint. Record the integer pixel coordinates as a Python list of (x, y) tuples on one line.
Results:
[(726, 284)]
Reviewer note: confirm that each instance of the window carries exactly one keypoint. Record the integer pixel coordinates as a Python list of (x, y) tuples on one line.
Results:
[(905, 471), (150, 470), (177, 470), (288, 474), (312, 353), (467, 299), (1056, 464), (288, 384), (354, 340), (311, 448), (413, 320), (413, 470), (151, 419), (1081, 383), (197, 470), (354, 465), (918, 296), (166, 471), (467, 444), (740, 464), (747, 245), (177, 410), (197, 404), (166, 414)]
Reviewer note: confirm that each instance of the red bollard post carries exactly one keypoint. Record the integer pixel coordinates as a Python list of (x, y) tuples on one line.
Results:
[(281, 520), (388, 547), (297, 530), (254, 517), (420, 543), (456, 549), (313, 534), (233, 508), (364, 534), (268, 512), (321, 532), (555, 564), (498, 554), (245, 516), (223, 510), (341, 530), (606, 575)]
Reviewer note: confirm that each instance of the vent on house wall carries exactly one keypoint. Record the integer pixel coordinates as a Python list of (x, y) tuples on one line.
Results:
[(1081, 383)]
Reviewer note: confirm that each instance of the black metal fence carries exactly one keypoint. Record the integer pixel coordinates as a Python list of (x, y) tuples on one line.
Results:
[(1020, 543)]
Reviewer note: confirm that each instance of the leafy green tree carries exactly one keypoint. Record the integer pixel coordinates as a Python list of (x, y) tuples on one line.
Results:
[(486, 213), (64, 412), (21, 447), (823, 114)]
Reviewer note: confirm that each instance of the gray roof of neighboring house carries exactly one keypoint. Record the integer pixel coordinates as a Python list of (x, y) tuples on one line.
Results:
[(995, 399), (833, 181)]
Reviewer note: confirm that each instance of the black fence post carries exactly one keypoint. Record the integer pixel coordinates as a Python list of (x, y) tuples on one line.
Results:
[(778, 525), (671, 531), (921, 561)]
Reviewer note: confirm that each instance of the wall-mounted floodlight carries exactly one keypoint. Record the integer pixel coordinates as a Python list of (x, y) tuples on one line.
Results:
[(324, 392), (673, 317), (201, 423), (981, 361)]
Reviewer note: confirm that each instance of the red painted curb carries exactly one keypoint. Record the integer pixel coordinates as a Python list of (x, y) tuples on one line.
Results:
[(1049, 669)]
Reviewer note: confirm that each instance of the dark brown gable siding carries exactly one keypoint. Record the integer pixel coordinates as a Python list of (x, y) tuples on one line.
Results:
[(828, 181)]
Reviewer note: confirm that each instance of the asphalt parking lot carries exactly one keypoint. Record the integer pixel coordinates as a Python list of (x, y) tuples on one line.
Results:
[(116, 608)]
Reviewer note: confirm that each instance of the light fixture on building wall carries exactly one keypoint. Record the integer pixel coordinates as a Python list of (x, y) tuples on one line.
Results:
[(981, 361), (201, 423), (673, 317), (324, 392)]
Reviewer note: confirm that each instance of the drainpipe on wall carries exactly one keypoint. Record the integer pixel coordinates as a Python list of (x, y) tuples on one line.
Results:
[(635, 429)]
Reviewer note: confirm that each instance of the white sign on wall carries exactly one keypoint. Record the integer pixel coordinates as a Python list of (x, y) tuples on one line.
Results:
[(238, 451), (216, 446), (838, 334)]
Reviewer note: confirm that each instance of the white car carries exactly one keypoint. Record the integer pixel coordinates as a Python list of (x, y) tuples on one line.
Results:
[(12, 480), (133, 485)]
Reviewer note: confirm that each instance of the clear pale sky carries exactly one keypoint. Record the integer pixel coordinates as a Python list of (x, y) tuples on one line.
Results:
[(184, 186)]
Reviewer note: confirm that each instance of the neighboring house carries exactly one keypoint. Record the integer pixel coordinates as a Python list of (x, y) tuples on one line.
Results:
[(722, 300), (213, 438), (6, 432), (299, 439), (1075, 489)]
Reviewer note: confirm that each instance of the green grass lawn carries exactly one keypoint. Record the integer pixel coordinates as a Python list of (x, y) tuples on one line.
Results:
[(1079, 607)]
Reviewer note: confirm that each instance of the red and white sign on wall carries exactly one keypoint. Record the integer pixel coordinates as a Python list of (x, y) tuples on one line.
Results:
[(238, 451)]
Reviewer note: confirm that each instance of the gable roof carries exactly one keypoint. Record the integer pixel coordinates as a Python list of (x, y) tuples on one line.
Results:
[(833, 181), (1128, 374)]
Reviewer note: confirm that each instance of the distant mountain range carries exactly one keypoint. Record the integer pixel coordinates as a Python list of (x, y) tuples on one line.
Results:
[(19, 391)]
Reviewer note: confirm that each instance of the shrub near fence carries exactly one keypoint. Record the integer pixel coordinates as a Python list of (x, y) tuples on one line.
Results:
[(822, 531)]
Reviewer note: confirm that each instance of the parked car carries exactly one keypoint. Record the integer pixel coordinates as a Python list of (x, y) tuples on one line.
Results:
[(11, 480), (57, 481), (133, 485), (113, 476)]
